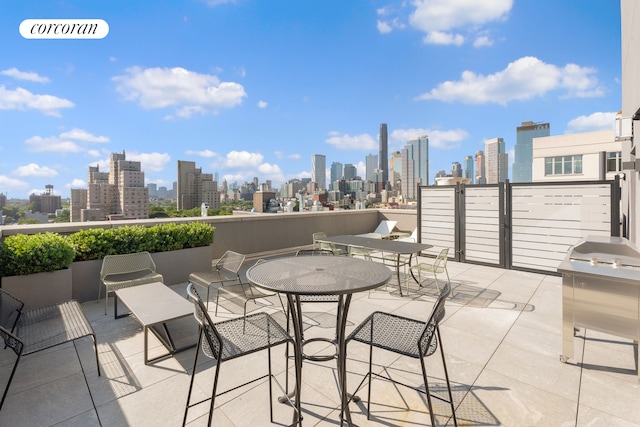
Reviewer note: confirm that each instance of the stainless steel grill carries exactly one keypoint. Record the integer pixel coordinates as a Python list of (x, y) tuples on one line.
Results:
[(600, 289)]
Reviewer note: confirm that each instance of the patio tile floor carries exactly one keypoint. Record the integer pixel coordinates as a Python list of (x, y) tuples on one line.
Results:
[(502, 339)]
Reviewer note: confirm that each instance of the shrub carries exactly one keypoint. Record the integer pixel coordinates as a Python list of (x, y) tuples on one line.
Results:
[(23, 254), (95, 243)]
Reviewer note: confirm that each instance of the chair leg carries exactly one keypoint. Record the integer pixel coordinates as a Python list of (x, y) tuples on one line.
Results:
[(193, 376), (106, 298), (6, 390), (428, 392), (370, 379), (446, 377), (437, 284), (448, 281)]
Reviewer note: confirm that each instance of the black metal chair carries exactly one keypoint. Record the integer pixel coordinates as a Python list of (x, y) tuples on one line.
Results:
[(231, 339), (30, 331), (407, 337)]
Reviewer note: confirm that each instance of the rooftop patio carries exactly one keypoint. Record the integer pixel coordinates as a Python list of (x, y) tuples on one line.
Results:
[(501, 336)]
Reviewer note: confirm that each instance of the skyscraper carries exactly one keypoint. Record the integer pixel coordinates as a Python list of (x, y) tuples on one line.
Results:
[(481, 177), (456, 169), (384, 155), (195, 188), (497, 166), (467, 171), (336, 173), (118, 193), (350, 172), (523, 162), (395, 172), (415, 165), (371, 162), (319, 170)]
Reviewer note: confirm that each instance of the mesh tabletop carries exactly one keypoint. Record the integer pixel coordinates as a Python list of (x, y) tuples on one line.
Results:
[(318, 275)]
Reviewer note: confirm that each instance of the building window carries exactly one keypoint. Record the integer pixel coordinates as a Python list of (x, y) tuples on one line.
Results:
[(563, 165), (614, 161)]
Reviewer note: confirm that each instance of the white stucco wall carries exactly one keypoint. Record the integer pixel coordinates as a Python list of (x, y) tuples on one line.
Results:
[(589, 144)]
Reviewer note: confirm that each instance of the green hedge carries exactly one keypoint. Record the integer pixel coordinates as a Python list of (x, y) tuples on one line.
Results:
[(23, 254), (95, 243)]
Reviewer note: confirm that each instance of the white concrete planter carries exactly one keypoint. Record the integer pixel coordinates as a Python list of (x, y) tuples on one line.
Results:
[(40, 289)]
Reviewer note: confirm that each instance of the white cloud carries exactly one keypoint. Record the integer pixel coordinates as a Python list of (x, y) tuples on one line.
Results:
[(593, 122), (35, 170), (482, 41), (384, 27), (262, 104), (361, 142), (83, 135), (443, 139), (63, 143), (37, 144), (271, 172), (201, 153), (243, 160), (283, 155), (24, 75), (8, 184), (187, 91), (523, 79), (150, 162), (441, 37), (76, 183), (444, 16), (22, 99)]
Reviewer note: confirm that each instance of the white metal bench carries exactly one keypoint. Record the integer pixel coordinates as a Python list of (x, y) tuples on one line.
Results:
[(122, 271)]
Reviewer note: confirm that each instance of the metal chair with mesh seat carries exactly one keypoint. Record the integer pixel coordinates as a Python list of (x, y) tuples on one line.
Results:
[(439, 265), (224, 272), (246, 293), (231, 339), (30, 331), (407, 337), (317, 245)]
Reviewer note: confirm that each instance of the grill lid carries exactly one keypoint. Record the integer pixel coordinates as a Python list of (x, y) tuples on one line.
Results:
[(616, 251)]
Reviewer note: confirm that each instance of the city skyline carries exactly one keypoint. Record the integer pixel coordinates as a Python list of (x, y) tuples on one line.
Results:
[(247, 88)]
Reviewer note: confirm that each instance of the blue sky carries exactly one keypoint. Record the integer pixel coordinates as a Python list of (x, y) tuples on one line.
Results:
[(255, 87)]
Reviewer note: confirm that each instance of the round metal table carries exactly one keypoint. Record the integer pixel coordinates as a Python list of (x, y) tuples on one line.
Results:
[(320, 275)]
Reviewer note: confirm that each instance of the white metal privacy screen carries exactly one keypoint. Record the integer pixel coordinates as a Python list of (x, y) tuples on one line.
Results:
[(520, 226)]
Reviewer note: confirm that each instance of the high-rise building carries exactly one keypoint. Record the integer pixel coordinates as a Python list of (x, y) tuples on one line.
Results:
[(481, 176), (467, 171), (319, 170), (497, 166), (415, 165), (456, 169), (371, 163), (350, 172), (195, 188), (153, 190), (395, 172), (523, 153), (384, 154), (336, 174), (119, 193), (46, 202)]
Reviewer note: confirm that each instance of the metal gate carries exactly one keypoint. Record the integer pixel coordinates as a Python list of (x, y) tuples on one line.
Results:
[(517, 226)]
